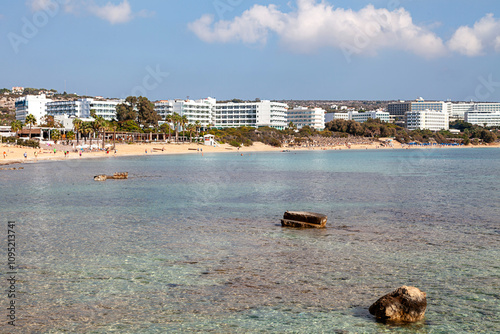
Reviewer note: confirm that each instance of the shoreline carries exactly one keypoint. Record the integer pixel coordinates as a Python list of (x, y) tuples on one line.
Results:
[(15, 154)]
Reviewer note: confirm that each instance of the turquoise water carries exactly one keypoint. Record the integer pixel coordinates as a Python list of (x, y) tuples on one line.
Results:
[(193, 243)]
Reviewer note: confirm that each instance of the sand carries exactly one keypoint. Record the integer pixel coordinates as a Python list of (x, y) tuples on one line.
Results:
[(15, 154)]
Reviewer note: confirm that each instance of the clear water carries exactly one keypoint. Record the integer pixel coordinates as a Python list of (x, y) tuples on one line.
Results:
[(193, 243)]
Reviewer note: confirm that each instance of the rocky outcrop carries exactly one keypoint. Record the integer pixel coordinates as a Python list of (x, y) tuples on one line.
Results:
[(304, 219), (406, 304), (116, 176)]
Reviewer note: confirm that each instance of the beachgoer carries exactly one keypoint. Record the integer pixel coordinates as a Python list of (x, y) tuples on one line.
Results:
[(115, 152), (36, 154), (4, 154), (25, 155), (146, 150), (54, 151), (80, 154)]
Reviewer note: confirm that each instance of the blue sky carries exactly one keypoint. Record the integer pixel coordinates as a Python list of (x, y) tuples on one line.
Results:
[(280, 49)]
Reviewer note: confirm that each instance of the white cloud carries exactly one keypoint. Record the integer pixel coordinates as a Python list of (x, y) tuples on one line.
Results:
[(314, 25), (113, 13), (475, 41), (37, 5)]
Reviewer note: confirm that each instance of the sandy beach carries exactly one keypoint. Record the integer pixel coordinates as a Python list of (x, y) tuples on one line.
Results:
[(13, 154)]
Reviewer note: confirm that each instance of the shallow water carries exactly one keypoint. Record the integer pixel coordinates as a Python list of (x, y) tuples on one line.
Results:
[(192, 243)]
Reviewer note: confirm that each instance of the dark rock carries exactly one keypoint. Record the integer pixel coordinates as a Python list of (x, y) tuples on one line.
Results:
[(303, 219), (406, 304)]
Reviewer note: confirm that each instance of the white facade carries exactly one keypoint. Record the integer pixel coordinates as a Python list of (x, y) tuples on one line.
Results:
[(31, 104), (83, 107), (456, 111), (483, 117), (427, 120), (341, 115), (362, 117), (254, 114), (78, 108), (198, 110), (302, 116), (104, 108)]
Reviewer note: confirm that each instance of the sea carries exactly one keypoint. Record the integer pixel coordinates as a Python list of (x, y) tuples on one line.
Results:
[(193, 243)]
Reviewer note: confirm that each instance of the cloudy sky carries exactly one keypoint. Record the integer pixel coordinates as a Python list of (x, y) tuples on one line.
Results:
[(279, 49)]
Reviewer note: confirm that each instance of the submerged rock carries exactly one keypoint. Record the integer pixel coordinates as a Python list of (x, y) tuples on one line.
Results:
[(303, 219), (405, 304), (115, 176), (100, 178)]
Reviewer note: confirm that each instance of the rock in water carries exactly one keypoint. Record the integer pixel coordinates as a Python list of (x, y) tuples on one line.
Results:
[(406, 304), (100, 178), (303, 219)]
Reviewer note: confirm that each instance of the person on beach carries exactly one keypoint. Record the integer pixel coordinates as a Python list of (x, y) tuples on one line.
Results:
[(80, 154), (36, 155), (54, 151), (25, 155), (4, 154)]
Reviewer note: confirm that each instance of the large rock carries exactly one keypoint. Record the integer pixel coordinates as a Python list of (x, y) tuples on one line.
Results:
[(406, 304), (303, 219), (100, 178)]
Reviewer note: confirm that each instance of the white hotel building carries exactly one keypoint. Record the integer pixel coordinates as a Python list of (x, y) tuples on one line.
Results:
[(483, 117), (302, 116), (31, 104), (427, 120), (254, 114), (362, 117), (228, 114), (82, 108)]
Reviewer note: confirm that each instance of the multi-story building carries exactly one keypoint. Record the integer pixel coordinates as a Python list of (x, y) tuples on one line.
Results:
[(104, 108), (340, 115), (302, 116), (254, 114), (398, 110), (82, 108), (79, 108), (362, 117), (458, 110), (195, 110), (483, 118), (427, 120), (31, 104), (164, 108)]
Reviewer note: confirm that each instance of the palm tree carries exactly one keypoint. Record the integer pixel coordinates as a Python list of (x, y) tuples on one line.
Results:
[(197, 126), (30, 120), (77, 125), (15, 126), (169, 119), (176, 119), (191, 127), (98, 124), (88, 130), (182, 122)]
